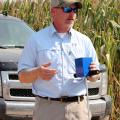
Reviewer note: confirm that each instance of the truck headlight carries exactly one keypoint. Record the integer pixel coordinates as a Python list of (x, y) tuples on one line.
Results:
[(104, 83)]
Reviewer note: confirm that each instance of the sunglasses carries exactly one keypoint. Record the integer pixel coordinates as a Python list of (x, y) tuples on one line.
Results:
[(69, 9)]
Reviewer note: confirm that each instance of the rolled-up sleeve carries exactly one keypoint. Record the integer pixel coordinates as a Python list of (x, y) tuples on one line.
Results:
[(27, 59)]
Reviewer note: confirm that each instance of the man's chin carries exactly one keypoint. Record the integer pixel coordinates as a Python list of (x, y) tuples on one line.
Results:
[(70, 24)]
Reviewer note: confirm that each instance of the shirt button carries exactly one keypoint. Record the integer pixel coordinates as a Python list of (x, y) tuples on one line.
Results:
[(65, 67)]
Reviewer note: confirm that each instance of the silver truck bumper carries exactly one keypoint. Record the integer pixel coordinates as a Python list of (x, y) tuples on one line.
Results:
[(17, 108), (97, 107), (102, 106)]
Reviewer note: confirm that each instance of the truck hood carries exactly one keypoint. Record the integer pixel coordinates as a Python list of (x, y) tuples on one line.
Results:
[(9, 58)]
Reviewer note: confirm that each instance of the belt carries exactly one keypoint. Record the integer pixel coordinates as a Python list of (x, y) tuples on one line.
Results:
[(64, 98)]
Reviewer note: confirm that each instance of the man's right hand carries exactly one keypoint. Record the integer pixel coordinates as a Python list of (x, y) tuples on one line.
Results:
[(45, 72)]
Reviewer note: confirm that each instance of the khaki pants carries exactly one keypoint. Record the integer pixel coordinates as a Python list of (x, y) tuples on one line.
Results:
[(56, 110)]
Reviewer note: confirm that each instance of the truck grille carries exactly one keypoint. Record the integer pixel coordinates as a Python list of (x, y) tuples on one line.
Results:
[(13, 77), (21, 92), (93, 91), (28, 92), (14, 90)]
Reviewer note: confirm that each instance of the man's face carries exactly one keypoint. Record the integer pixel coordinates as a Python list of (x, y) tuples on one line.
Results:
[(62, 18)]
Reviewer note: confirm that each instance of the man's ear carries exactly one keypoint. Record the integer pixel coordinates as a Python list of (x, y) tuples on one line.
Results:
[(53, 11)]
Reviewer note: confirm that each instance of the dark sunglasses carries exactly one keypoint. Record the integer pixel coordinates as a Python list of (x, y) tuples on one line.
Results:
[(69, 9)]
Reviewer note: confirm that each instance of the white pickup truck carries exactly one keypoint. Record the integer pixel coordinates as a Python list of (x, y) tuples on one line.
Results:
[(16, 99)]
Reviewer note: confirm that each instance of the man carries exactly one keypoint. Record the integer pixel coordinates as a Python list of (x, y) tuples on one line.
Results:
[(48, 60)]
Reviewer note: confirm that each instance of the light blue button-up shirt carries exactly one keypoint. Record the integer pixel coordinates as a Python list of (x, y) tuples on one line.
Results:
[(47, 46)]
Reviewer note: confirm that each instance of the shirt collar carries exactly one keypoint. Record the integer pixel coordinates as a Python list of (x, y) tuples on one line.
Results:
[(71, 31), (54, 31)]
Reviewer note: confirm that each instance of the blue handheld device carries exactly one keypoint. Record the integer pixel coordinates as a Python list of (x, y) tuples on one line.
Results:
[(82, 66)]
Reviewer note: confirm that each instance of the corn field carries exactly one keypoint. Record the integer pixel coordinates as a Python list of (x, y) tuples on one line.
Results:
[(99, 19)]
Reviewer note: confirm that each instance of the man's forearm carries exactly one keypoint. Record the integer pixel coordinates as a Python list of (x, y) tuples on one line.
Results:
[(28, 76), (43, 72)]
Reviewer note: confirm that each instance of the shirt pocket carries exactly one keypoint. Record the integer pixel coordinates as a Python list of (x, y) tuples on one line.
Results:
[(70, 56), (48, 55), (73, 52)]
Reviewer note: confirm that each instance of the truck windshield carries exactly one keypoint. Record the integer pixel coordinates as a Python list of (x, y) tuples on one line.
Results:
[(14, 33)]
